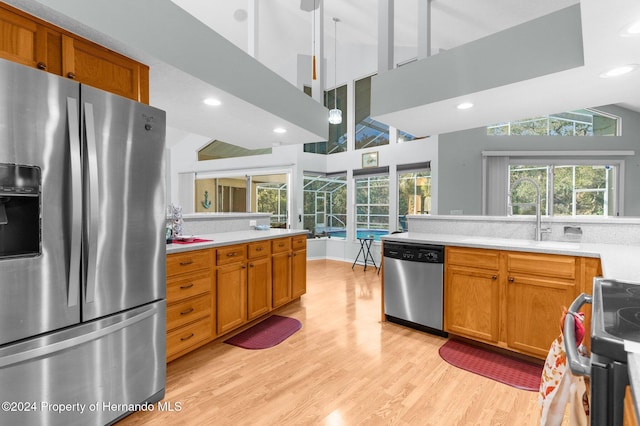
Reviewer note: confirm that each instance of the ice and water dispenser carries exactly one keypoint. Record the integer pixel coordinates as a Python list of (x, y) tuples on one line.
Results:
[(19, 211)]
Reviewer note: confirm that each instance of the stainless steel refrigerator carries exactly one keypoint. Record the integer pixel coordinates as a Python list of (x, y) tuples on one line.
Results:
[(82, 252)]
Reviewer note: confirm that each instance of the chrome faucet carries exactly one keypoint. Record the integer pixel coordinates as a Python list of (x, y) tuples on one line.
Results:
[(539, 229)]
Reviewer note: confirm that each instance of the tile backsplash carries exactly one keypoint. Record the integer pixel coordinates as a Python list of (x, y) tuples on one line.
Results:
[(213, 223)]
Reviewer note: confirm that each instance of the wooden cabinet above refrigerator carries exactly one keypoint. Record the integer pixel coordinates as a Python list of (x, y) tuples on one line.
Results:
[(38, 44)]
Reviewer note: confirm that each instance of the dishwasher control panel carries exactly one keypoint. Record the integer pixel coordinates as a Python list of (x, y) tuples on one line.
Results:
[(414, 252)]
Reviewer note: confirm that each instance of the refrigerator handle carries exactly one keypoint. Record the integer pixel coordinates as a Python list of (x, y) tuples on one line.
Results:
[(76, 202), (92, 203)]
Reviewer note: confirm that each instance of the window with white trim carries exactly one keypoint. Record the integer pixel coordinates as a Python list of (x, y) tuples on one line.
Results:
[(372, 203), (569, 186), (566, 189), (583, 122)]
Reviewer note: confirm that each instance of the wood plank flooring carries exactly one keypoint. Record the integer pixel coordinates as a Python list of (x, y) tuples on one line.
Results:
[(344, 367)]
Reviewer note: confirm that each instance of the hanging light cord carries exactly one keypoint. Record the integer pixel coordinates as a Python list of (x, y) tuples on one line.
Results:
[(335, 63), (314, 41)]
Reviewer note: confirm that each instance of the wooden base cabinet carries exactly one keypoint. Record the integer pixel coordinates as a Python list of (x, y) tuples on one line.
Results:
[(299, 266), (538, 286), (472, 304), (259, 286), (190, 307), (512, 299), (231, 297), (289, 262), (281, 261), (212, 292)]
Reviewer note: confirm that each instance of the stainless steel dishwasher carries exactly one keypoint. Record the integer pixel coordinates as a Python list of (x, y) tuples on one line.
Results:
[(413, 285)]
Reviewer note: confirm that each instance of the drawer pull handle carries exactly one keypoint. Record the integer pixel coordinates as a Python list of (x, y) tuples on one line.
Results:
[(187, 337), (232, 254), (186, 262), (186, 311), (259, 249), (281, 245), (186, 286)]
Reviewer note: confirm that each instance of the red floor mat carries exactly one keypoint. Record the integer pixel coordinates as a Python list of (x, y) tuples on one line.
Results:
[(510, 371), (267, 333)]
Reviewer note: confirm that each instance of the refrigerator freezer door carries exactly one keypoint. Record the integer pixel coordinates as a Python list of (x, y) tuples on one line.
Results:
[(36, 294), (124, 243), (96, 372)]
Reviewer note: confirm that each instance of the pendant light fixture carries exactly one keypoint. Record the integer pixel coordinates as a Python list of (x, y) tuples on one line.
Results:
[(335, 115)]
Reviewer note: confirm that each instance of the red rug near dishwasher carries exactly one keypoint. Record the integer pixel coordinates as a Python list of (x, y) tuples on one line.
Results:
[(504, 369), (267, 333)]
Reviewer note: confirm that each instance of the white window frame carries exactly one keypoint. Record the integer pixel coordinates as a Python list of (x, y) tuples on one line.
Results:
[(501, 185)]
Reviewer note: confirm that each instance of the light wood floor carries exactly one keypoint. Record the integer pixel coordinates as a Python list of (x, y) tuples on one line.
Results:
[(344, 367)]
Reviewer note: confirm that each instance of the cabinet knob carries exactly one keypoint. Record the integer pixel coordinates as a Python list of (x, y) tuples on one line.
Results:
[(244, 266), (511, 279), (494, 277), (251, 265), (71, 75), (42, 66)]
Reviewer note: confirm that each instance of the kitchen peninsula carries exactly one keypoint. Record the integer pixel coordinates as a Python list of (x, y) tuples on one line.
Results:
[(218, 286), (497, 276)]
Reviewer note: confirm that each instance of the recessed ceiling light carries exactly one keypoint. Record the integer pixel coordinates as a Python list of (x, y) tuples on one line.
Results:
[(618, 71), (631, 30), (212, 102), (280, 130), (465, 105)]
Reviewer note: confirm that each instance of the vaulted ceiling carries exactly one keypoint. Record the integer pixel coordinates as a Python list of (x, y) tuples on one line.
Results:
[(285, 35)]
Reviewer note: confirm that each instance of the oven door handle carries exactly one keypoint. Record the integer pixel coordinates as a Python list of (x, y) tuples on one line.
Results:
[(578, 364)]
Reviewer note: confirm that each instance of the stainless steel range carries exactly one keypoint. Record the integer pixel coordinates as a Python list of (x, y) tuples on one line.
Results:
[(615, 318)]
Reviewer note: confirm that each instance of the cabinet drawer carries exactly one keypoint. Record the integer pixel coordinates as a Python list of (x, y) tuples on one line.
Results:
[(182, 287), (475, 258), (281, 245), (299, 242), (188, 311), (547, 265), (189, 335), (231, 254), (179, 263), (259, 249)]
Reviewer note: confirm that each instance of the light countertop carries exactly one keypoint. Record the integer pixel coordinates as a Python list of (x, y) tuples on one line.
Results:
[(619, 262), (234, 237)]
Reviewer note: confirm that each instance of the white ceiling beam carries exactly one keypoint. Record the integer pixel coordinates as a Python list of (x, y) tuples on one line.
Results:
[(254, 29), (424, 29), (385, 35), (317, 41)]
